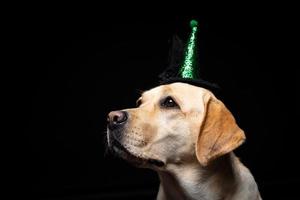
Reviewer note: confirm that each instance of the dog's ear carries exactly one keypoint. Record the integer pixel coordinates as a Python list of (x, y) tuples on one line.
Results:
[(219, 133)]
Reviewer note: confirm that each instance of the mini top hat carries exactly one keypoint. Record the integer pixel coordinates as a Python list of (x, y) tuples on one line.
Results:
[(185, 70)]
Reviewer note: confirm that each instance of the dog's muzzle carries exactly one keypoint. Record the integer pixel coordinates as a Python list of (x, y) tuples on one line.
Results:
[(116, 121)]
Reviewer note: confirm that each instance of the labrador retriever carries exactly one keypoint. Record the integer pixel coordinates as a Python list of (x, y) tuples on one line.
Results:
[(187, 136)]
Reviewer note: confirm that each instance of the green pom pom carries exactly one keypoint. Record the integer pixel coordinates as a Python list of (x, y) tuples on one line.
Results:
[(193, 23)]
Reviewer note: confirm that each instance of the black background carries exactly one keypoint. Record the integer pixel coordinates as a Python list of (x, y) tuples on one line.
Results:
[(71, 67)]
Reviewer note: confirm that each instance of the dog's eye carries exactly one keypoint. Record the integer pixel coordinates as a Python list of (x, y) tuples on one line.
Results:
[(168, 103), (138, 103)]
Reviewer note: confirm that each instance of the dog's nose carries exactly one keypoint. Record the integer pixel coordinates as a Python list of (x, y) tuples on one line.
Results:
[(116, 118)]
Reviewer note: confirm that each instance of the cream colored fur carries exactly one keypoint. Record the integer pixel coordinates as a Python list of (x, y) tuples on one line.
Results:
[(194, 141)]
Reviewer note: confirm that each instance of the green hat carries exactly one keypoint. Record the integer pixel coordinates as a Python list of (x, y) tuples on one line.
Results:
[(183, 65), (188, 69)]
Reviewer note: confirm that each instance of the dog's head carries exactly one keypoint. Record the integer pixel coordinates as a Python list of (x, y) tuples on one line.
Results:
[(173, 124)]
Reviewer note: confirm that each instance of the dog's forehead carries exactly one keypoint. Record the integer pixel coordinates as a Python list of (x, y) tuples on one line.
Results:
[(176, 89), (185, 93)]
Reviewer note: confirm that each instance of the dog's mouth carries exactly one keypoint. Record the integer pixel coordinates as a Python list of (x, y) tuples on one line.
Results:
[(121, 151)]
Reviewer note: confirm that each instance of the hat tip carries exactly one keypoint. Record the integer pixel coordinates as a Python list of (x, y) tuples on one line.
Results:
[(193, 23)]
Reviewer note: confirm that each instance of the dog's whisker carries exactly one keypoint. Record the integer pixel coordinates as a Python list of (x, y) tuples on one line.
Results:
[(105, 143)]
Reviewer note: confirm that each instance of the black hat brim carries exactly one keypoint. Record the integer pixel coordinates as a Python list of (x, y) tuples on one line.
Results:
[(196, 82)]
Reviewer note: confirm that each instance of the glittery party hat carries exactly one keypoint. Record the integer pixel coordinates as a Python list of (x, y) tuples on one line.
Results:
[(183, 64), (188, 68)]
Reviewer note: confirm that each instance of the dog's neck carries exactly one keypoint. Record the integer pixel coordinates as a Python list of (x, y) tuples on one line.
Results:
[(191, 181)]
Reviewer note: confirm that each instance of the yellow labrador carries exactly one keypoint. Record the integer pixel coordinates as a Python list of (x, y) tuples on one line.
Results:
[(187, 135)]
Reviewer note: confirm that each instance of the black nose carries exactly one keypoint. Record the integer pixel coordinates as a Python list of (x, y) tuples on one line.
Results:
[(116, 119)]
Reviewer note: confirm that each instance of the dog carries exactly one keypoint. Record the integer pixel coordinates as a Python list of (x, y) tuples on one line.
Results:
[(187, 136)]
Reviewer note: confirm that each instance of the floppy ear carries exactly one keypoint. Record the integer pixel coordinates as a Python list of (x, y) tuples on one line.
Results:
[(219, 133)]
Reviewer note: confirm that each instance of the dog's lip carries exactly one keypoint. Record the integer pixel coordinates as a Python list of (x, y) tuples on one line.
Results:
[(133, 158)]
